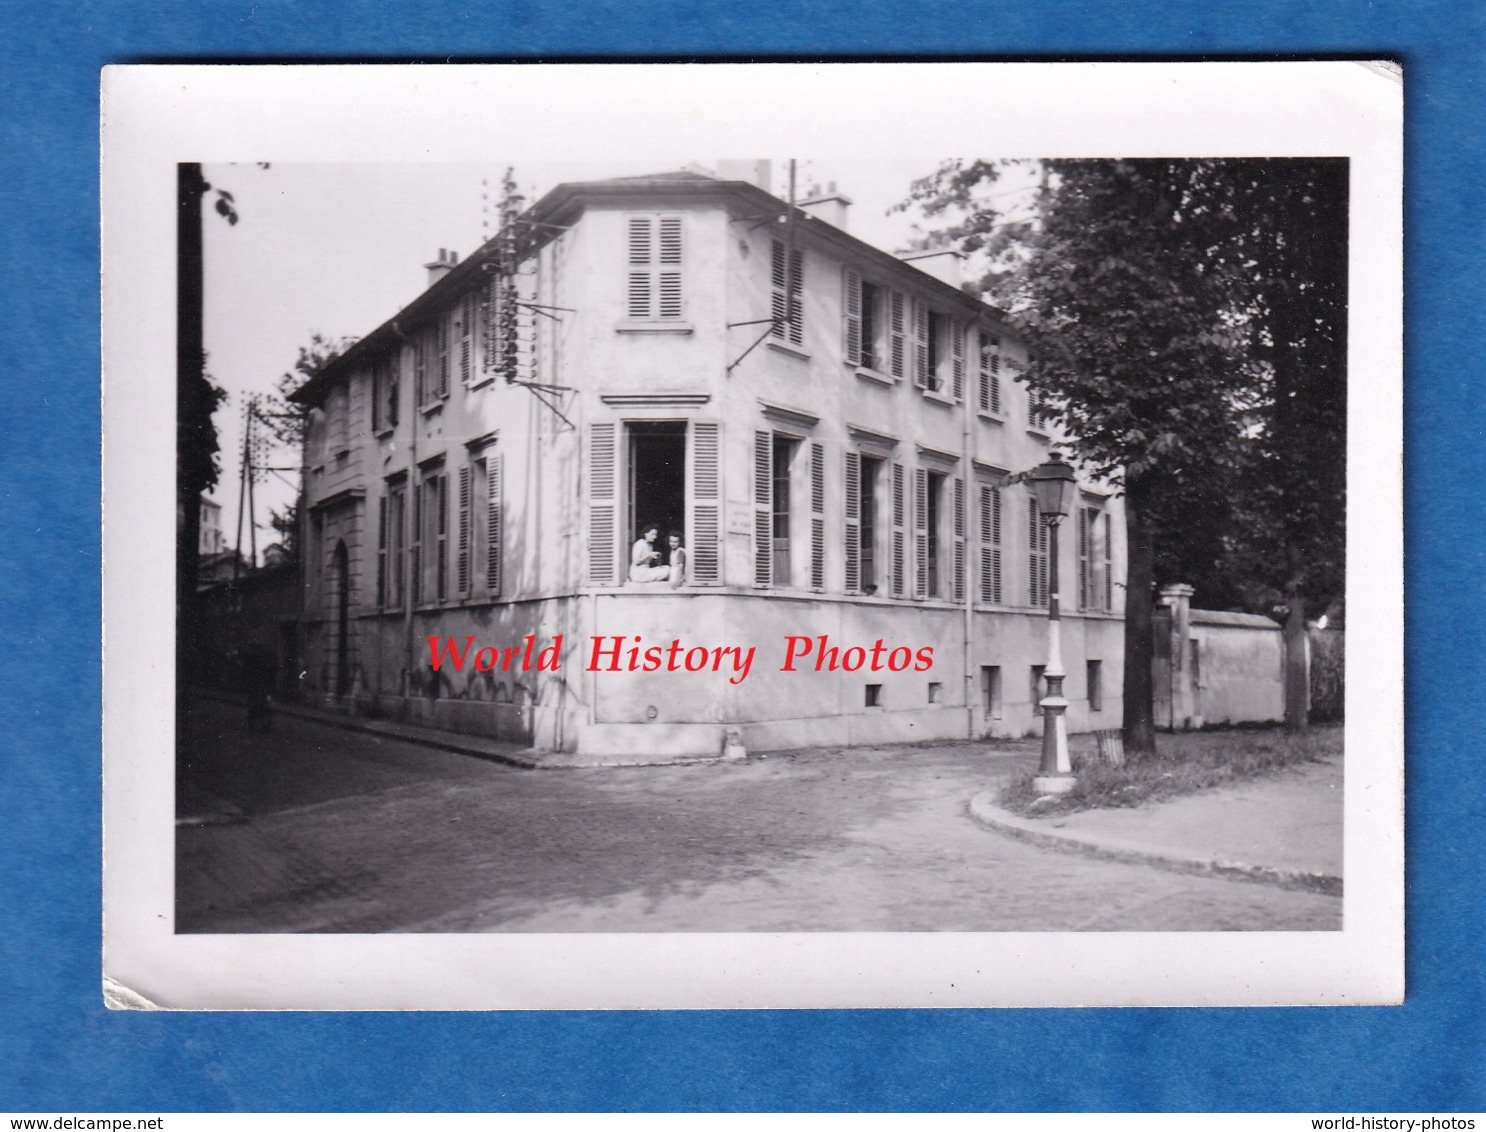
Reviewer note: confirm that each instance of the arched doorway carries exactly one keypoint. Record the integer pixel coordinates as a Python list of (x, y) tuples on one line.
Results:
[(340, 575)]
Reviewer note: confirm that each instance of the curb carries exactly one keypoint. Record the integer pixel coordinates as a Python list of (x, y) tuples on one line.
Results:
[(985, 811)]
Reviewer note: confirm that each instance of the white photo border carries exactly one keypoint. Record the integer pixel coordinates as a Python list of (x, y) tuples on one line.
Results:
[(156, 116)]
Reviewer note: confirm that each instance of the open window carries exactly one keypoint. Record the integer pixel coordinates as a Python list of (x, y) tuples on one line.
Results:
[(656, 459), (661, 474)]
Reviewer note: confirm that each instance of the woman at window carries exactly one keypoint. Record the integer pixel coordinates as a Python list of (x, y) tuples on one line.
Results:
[(644, 559)]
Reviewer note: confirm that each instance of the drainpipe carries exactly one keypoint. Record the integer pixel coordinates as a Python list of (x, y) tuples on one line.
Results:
[(409, 507), (968, 472)]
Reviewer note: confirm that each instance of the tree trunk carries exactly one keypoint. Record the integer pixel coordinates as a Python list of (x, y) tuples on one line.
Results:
[(1297, 670), (1140, 629)]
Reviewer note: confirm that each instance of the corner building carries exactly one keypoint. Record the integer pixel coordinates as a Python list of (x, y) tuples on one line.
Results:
[(828, 426)]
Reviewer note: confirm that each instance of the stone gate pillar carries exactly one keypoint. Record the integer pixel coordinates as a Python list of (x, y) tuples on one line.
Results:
[(1178, 598)]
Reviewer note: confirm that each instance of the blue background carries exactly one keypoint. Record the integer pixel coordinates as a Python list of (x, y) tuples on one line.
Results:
[(60, 1050)]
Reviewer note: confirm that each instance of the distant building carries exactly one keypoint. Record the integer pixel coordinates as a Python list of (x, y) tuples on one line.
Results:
[(211, 541), (828, 427)]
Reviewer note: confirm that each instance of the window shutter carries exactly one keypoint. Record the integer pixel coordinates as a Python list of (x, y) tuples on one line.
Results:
[(443, 342), (394, 386), (990, 550), (602, 504), (441, 527), (852, 336), (899, 534), (493, 524), (1037, 555), (1106, 563), (957, 357), (1085, 563), (462, 550), (420, 371), (959, 556), (895, 349), (382, 553), (466, 337), (669, 277), (641, 299), (921, 375), (920, 532), (786, 277), (996, 382), (817, 516), (706, 533), (853, 531), (763, 505), (415, 552)]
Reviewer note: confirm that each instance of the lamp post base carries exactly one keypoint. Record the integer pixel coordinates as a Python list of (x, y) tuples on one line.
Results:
[(1054, 783)]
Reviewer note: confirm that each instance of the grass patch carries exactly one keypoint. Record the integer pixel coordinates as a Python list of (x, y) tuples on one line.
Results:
[(1186, 763)]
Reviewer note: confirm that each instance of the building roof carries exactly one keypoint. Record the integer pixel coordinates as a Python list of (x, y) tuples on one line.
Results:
[(563, 204)]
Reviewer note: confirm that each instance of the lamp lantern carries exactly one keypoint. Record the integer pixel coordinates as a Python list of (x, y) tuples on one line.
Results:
[(1054, 484)]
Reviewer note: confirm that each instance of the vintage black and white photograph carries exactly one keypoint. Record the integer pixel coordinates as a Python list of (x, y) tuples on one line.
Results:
[(855, 555)]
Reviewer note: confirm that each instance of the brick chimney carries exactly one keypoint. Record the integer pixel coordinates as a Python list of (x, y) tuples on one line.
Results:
[(441, 267), (828, 205)]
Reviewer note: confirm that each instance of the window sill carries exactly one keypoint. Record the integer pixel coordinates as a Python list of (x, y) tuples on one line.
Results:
[(868, 374), (990, 418), (386, 433), (342, 454), (1040, 433), (789, 349), (938, 399), (654, 328), (430, 410), (482, 383)]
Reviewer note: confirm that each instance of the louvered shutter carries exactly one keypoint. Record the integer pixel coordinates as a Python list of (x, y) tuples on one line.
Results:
[(1036, 555), (990, 548), (1107, 561), (853, 527), (763, 506), (420, 371), (382, 552), (959, 550), (394, 386), (441, 528), (895, 333), (786, 277), (957, 358), (668, 278), (466, 338), (1085, 559), (602, 505), (817, 516), (415, 552), (852, 304), (641, 302), (921, 375), (462, 534), (704, 551), (493, 505), (920, 532), (899, 534), (443, 364)]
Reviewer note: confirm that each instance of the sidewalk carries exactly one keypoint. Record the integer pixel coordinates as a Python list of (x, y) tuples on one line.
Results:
[(479, 746), (1284, 830)]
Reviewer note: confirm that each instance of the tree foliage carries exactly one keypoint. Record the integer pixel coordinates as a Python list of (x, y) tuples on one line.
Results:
[(1187, 317)]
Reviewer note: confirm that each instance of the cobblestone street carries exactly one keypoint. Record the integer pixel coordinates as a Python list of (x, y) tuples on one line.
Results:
[(312, 828)]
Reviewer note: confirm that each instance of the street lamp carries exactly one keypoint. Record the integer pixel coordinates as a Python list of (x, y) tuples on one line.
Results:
[(1053, 486)]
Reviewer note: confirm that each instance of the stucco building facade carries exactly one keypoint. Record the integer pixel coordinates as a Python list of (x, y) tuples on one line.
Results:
[(827, 427)]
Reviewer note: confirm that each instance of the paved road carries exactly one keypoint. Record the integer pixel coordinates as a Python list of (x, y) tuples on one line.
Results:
[(340, 831)]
